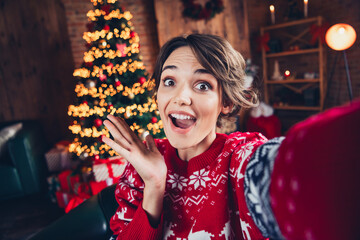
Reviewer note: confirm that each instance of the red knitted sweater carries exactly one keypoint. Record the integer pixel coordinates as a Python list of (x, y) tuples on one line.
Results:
[(204, 197)]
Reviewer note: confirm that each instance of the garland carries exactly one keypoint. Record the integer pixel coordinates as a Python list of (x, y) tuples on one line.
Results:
[(197, 12)]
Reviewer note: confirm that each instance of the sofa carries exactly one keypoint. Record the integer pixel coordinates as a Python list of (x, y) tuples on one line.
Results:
[(22, 159), (90, 220)]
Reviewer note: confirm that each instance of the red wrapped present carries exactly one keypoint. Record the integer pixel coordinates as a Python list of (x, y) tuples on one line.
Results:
[(81, 188), (82, 192), (74, 202), (104, 169), (63, 198), (68, 180), (96, 187)]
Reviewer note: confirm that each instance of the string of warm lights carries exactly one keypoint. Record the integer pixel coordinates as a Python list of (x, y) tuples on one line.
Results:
[(95, 53), (78, 148), (106, 34), (84, 110), (127, 65), (108, 90), (94, 14)]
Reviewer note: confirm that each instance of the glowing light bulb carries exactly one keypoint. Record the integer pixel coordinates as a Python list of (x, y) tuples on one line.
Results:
[(340, 36)]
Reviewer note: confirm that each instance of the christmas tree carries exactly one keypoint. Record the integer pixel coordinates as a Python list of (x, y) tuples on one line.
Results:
[(111, 80)]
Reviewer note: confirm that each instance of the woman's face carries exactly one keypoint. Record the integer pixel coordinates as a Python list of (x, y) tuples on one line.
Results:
[(189, 100)]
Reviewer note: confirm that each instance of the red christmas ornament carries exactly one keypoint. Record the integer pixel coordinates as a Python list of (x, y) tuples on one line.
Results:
[(121, 49), (110, 105), (110, 64), (101, 138), (142, 80), (318, 32), (262, 42), (97, 122), (117, 83), (132, 34), (106, 27), (154, 119), (102, 77), (96, 157), (85, 102)]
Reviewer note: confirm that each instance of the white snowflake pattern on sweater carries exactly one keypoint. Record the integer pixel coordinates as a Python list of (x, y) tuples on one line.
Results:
[(199, 178), (204, 201), (177, 181)]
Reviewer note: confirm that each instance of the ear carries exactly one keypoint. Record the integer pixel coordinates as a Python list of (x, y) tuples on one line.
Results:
[(226, 108)]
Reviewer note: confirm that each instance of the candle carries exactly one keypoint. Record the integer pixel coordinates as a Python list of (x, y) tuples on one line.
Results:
[(305, 8), (287, 73), (272, 12)]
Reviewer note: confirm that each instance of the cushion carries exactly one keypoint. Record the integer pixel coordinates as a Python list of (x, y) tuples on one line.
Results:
[(8, 133)]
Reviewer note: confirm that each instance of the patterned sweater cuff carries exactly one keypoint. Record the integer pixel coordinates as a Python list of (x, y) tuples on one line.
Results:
[(256, 185), (140, 227)]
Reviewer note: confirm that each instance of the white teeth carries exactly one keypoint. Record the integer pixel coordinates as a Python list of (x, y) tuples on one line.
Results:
[(180, 116)]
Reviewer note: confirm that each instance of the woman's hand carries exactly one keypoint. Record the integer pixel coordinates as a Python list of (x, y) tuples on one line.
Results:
[(147, 161)]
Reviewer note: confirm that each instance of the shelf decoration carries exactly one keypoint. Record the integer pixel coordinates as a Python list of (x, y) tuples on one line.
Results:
[(305, 8), (272, 13), (277, 75), (196, 11), (289, 75), (263, 42), (318, 32)]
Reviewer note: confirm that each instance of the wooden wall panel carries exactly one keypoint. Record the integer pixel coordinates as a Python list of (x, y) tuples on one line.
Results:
[(35, 64), (230, 24)]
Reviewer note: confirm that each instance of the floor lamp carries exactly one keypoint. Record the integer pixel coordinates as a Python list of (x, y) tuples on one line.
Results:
[(340, 37)]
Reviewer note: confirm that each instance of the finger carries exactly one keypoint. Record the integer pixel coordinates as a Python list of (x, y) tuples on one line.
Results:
[(125, 130), (117, 134), (116, 147), (151, 143)]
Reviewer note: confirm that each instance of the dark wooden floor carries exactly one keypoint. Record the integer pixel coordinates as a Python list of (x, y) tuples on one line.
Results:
[(20, 218)]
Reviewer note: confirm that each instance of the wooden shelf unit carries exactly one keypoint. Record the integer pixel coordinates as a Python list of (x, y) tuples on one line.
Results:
[(298, 85)]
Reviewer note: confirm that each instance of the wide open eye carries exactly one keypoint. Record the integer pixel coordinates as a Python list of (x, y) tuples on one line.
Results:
[(168, 82), (203, 86)]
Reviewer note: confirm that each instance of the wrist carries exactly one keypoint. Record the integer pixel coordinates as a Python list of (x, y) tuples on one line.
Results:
[(153, 202)]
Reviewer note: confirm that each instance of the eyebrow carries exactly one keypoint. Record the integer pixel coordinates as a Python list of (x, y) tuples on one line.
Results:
[(200, 71)]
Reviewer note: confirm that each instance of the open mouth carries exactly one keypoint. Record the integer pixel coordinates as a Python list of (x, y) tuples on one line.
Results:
[(182, 121)]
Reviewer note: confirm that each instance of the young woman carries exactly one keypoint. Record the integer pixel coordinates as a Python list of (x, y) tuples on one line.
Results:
[(196, 184)]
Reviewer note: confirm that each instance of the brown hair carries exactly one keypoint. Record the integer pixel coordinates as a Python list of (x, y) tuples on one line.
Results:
[(217, 56)]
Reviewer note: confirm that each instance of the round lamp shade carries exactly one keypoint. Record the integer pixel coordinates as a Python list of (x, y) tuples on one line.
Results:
[(340, 36)]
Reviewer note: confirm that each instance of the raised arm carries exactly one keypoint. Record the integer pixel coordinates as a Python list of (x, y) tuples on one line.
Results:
[(148, 163)]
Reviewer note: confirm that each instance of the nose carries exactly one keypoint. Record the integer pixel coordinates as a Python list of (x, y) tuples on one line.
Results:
[(182, 96)]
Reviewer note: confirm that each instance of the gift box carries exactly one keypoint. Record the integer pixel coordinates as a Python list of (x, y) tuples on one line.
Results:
[(81, 193), (59, 158), (104, 169), (68, 180), (81, 189), (63, 198), (96, 187), (74, 202)]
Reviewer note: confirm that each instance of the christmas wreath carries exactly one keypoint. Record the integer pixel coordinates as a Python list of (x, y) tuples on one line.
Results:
[(197, 11)]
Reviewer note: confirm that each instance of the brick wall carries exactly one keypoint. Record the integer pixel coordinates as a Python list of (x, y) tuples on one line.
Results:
[(143, 21), (335, 11)]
